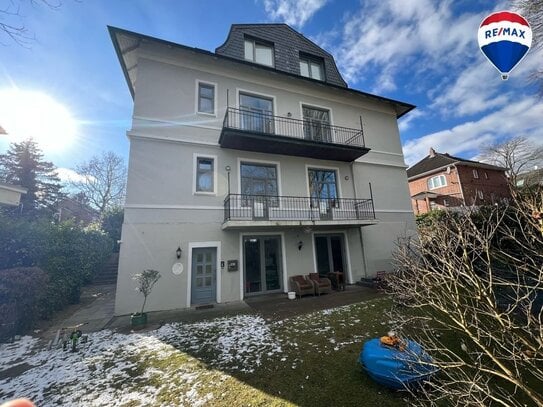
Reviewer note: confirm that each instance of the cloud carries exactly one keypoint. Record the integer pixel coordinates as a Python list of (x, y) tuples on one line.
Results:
[(479, 87), (405, 121), (293, 12), (67, 175), (519, 118), (420, 35)]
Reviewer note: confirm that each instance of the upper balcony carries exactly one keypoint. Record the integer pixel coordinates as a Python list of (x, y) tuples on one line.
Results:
[(250, 130)]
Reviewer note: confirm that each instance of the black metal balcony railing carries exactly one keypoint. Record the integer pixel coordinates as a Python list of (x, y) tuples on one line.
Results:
[(263, 122), (287, 208)]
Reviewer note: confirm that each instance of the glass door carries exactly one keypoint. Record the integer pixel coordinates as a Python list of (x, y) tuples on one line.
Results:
[(330, 254), (262, 255), (256, 113), (317, 124)]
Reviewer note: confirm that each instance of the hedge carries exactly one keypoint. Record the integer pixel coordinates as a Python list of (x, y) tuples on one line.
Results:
[(21, 291), (68, 254)]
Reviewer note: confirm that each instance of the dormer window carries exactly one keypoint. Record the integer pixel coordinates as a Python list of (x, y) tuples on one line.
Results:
[(258, 51), (311, 67)]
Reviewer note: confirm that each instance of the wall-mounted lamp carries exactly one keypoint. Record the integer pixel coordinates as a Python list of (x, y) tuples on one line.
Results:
[(289, 114), (178, 252), (300, 245), (346, 178)]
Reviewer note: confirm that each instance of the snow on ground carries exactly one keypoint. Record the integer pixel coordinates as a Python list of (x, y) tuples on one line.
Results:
[(178, 359), (111, 369)]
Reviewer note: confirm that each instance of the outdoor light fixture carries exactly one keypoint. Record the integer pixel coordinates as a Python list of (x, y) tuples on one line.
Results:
[(178, 252), (289, 114), (300, 245)]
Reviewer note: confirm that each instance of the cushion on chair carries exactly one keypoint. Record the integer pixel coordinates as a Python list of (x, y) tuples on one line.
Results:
[(303, 283)]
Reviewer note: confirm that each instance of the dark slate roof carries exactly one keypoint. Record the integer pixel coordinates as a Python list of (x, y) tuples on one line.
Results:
[(287, 44), (439, 160)]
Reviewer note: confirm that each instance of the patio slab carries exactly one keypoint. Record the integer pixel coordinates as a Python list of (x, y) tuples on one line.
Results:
[(279, 307)]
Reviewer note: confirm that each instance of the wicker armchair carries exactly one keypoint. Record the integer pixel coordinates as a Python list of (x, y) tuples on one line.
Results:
[(301, 286), (322, 284)]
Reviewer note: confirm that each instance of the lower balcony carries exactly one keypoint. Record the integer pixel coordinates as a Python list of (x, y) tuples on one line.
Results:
[(249, 211)]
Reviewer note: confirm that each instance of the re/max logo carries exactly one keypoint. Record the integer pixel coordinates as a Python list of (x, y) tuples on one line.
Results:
[(513, 32)]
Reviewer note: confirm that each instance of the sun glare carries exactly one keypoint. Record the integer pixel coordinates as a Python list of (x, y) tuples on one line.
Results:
[(31, 114)]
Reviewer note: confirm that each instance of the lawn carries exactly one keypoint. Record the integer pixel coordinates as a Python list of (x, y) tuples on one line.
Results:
[(308, 360)]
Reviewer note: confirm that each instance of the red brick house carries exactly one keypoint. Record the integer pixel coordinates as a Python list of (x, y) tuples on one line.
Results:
[(442, 181)]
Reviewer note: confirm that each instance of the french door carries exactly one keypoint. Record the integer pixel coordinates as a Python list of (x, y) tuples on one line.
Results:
[(262, 260)]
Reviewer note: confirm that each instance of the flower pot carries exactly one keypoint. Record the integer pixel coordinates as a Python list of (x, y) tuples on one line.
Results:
[(291, 295), (138, 320)]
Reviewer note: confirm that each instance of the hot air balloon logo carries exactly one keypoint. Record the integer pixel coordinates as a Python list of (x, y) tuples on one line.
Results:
[(505, 38)]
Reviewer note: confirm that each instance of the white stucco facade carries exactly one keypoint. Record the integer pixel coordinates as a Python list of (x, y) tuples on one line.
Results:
[(163, 211)]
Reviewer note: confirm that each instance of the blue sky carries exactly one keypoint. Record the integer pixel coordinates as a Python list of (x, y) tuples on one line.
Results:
[(424, 52)]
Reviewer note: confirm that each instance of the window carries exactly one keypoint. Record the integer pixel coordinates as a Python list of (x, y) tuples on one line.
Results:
[(322, 183), (206, 98), (480, 194), (258, 179), (311, 67), (475, 174), (316, 124), (259, 52), (256, 113), (204, 174), (437, 182), (486, 175)]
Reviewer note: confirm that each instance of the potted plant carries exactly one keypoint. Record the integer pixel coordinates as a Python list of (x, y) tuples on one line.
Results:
[(146, 280)]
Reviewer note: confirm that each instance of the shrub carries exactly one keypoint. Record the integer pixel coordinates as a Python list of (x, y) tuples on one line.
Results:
[(21, 291), (70, 256)]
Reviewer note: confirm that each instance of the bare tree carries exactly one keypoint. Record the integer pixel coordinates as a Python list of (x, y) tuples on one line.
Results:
[(103, 181), (532, 10), (517, 154), (12, 20), (471, 289)]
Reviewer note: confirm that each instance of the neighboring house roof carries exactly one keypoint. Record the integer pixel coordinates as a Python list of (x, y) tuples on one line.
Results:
[(127, 42), (534, 177), (16, 188), (435, 161), (288, 45)]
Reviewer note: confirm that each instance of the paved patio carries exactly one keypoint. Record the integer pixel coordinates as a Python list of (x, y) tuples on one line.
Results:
[(278, 306), (96, 309)]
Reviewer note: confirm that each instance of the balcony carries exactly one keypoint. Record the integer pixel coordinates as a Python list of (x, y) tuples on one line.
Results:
[(262, 132), (261, 210)]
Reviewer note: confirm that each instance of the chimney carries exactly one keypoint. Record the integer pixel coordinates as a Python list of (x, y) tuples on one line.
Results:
[(432, 152)]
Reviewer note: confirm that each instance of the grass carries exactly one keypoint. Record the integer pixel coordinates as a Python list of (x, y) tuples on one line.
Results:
[(309, 360)]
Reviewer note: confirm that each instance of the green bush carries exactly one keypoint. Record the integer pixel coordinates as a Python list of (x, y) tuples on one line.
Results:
[(21, 292), (70, 256)]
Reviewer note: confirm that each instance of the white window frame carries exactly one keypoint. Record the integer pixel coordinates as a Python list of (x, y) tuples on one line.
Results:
[(198, 245), (195, 157), (197, 98), (266, 44), (246, 160), (431, 181), (315, 60), (475, 174), (480, 194)]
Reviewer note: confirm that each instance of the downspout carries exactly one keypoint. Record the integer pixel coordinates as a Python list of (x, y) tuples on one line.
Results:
[(359, 227), (460, 183)]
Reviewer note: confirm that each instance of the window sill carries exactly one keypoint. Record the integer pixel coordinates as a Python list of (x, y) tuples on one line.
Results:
[(207, 114), (204, 193)]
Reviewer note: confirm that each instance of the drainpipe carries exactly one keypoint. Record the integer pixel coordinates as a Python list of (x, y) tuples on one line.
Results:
[(460, 184), (359, 227)]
